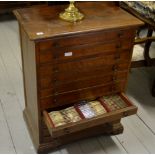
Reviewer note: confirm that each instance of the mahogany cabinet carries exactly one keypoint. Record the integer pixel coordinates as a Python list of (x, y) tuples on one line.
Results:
[(65, 63)]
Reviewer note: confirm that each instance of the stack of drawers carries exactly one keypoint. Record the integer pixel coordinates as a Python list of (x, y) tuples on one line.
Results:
[(83, 67)]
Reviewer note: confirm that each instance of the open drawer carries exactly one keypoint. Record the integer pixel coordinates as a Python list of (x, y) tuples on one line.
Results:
[(116, 112)]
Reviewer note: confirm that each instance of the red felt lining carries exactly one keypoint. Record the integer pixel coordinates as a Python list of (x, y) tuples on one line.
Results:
[(79, 111), (104, 105)]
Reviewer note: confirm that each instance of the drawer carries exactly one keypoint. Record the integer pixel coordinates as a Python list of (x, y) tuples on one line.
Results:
[(47, 80), (48, 76), (87, 38), (89, 93), (83, 121), (93, 62), (81, 84), (73, 52), (83, 65)]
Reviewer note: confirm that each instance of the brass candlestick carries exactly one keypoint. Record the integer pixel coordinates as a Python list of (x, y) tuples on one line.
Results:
[(71, 14)]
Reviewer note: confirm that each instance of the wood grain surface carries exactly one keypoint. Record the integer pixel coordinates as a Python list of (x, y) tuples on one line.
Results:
[(98, 16)]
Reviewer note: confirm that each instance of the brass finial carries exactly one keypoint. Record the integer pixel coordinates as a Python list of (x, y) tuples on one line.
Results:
[(71, 14)]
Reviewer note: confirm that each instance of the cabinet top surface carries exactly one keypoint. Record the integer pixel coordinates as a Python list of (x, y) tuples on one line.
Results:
[(44, 22)]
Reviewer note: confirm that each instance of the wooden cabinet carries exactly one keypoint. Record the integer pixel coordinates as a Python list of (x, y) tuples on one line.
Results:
[(65, 63)]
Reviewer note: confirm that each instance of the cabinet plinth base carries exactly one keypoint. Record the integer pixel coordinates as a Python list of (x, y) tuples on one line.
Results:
[(47, 143), (112, 128)]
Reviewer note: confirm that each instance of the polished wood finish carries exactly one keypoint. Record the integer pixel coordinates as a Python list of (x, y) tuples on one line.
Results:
[(95, 20), (64, 63), (84, 94), (50, 53)]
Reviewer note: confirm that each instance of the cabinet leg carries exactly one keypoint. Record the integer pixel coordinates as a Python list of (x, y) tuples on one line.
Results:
[(115, 128), (147, 48)]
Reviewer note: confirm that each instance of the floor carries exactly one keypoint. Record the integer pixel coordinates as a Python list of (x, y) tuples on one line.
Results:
[(139, 132)]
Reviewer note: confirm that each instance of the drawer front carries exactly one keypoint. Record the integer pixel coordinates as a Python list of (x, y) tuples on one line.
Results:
[(48, 77), (73, 52), (83, 65), (85, 123), (92, 62), (83, 83), (82, 94), (87, 38)]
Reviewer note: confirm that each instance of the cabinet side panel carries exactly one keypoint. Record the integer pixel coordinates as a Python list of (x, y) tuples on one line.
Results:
[(30, 85)]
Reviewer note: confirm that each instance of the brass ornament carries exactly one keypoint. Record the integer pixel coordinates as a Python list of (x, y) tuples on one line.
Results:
[(71, 14)]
